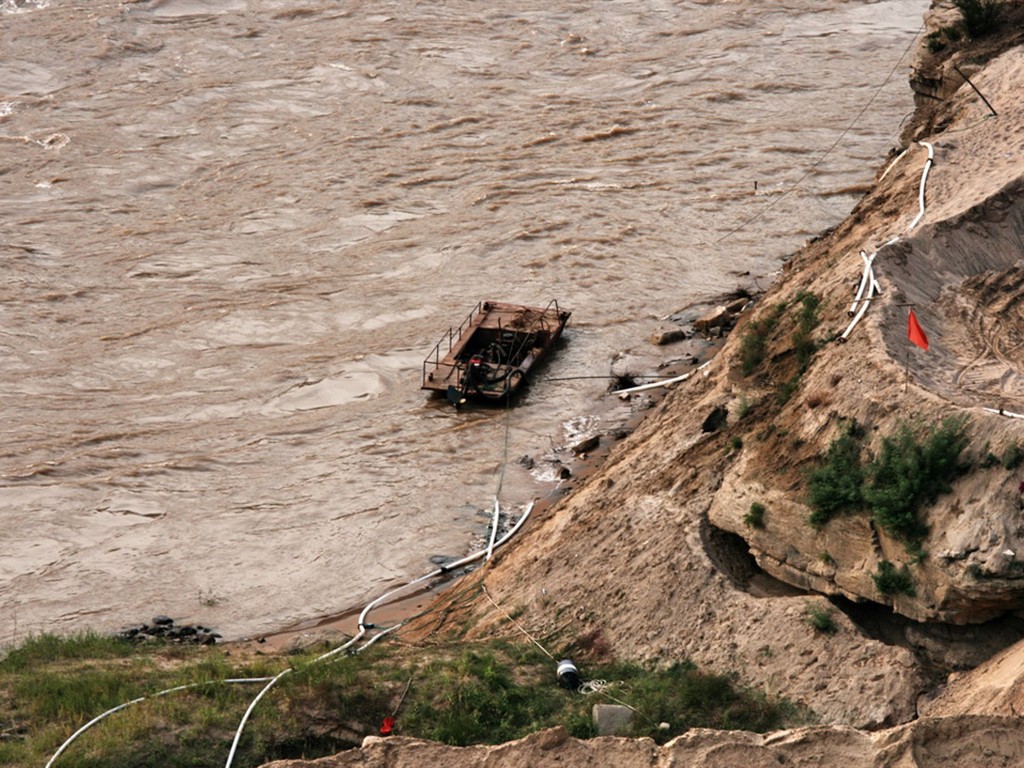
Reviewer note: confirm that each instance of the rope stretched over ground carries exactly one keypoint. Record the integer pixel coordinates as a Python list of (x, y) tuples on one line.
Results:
[(518, 626)]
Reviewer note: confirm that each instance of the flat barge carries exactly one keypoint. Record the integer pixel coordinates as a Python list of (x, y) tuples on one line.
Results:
[(489, 356)]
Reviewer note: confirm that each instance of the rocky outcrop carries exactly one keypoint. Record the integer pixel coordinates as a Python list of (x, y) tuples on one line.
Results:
[(961, 269), (928, 743)]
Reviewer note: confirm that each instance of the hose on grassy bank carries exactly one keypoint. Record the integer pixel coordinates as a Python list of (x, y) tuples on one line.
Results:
[(364, 626), (127, 704), (272, 681)]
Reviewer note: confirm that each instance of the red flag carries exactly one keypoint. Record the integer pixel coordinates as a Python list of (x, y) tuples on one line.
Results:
[(915, 333), (387, 726)]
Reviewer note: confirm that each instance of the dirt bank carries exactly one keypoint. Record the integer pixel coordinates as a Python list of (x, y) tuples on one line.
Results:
[(928, 743)]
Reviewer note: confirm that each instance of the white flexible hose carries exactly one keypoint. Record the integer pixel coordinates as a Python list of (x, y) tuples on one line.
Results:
[(924, 179), (863, 281), (377, 601), (1001, 412), (89, 725), (248, 711), (874, 284), (868, 280), (665, 383), (892, 164), (873, 289), (494, 528), (863, 308), (119, 707), (363, 626), (378, 636), (272, 681)]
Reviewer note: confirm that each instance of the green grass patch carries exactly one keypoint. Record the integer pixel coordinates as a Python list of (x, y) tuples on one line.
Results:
[(744, 407), (460, 694), (1012, 457), (754, 340), (989, 459), (804, 344), (822, 621), (43, 649), (685, 698), (787, 389)]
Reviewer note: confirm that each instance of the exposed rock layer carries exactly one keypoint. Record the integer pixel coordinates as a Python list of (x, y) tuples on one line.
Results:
[(965, 740)]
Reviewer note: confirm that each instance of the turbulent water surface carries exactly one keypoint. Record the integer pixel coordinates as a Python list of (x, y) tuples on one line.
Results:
[(232, 229)]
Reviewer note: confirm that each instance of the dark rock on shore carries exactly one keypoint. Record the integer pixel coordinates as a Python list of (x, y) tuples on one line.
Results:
[(164, 628)]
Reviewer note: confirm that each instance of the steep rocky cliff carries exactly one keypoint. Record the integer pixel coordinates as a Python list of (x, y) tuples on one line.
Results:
[(653, 552)]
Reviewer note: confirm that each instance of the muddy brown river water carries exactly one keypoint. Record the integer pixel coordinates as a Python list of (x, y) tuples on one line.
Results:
[(232, 230)]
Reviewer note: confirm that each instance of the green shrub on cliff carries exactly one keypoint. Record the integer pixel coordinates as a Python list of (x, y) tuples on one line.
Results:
[(1013, 457), (755, 515), (754, 340), (981, 17), (890, 581), (836, 486), (822, 621), (909, 474), (807, 320)]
